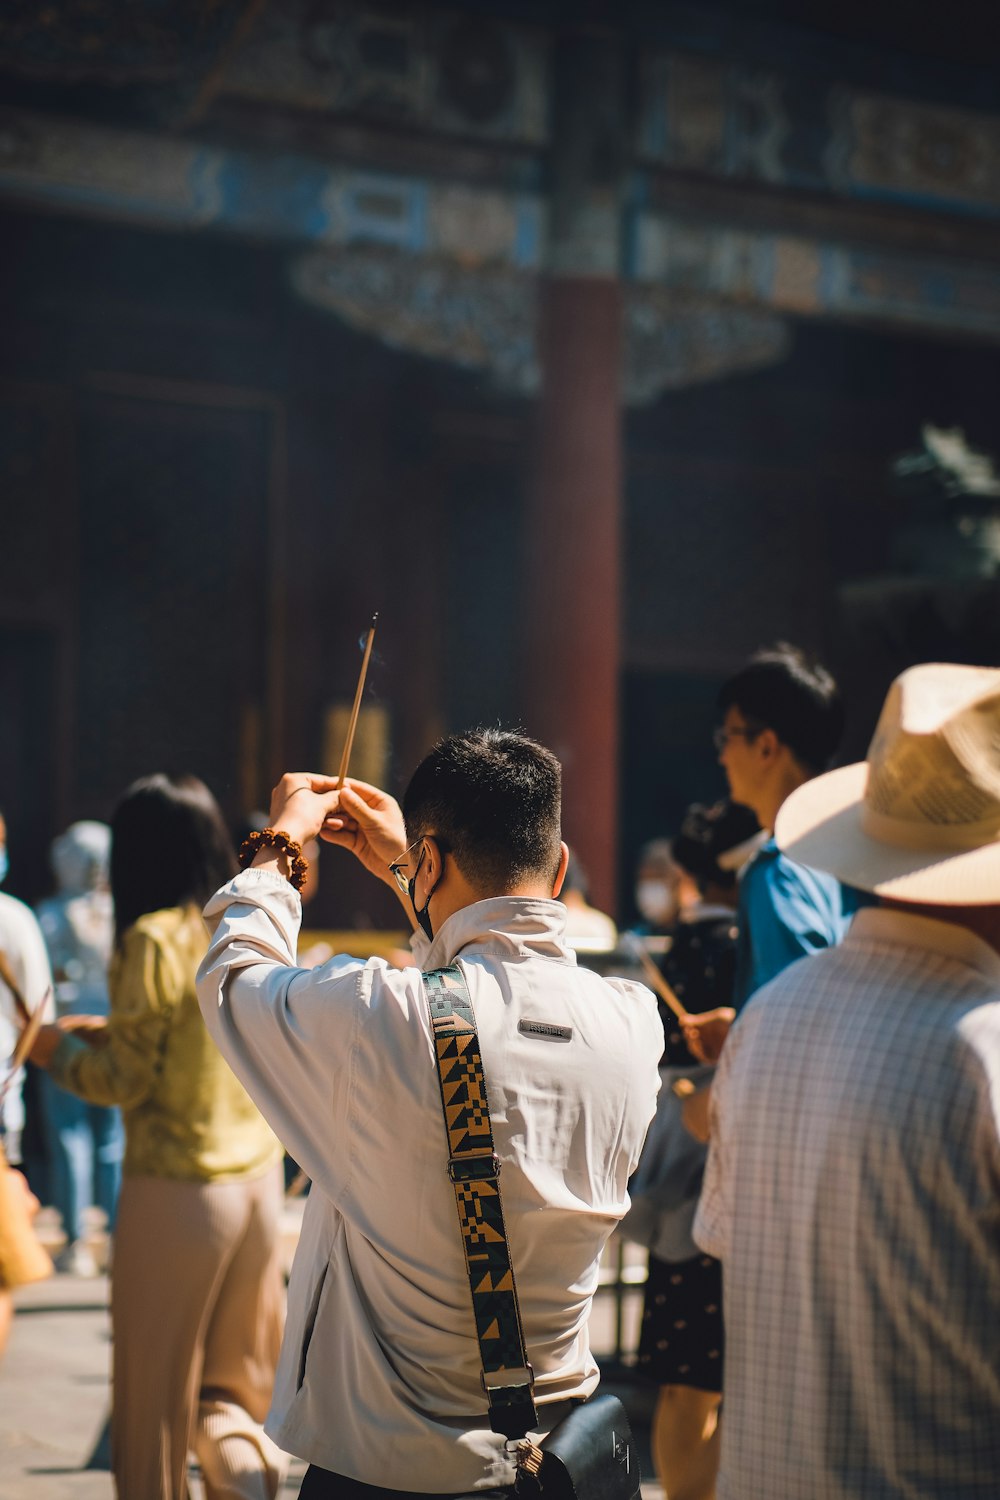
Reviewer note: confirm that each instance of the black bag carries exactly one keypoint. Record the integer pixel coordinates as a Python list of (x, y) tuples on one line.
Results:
[(590, 1454)]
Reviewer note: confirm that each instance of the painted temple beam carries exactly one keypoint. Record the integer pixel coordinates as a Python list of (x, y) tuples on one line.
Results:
[(171, 183)]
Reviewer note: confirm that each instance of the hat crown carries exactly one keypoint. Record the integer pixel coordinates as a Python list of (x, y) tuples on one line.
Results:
[(934, 761)]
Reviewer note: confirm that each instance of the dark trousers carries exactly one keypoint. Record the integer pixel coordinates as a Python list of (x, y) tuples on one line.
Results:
[(320, 1484)]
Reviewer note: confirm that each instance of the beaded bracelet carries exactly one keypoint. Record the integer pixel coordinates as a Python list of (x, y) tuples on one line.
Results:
[(274, 838)]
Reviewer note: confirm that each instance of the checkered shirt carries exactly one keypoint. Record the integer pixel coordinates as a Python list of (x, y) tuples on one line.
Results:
[(853, 1196)]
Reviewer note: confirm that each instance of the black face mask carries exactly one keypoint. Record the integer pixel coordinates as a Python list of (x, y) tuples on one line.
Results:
[(423, 916)]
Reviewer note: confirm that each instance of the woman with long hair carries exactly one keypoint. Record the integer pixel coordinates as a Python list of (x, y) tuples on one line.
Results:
[(197, 1293)]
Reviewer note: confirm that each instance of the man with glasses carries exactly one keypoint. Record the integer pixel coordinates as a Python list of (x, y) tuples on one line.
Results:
[(852, 1184), (782, 721), (379, 1386)]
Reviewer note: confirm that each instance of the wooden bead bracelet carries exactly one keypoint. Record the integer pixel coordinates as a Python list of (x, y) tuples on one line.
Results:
[(274, 838)]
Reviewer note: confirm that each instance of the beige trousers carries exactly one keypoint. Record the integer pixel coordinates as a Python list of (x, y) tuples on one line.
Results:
[(197, 1307)]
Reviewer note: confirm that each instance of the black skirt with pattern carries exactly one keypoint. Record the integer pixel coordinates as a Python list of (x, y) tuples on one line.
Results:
[(681, 1342)]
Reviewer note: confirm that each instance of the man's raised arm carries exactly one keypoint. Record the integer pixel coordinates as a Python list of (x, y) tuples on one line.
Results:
[(272, 1021)]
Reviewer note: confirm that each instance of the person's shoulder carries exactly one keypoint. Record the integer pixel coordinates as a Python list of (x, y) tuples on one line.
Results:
[(16, 917), (390, 998), (160, 924), (634, 1000), (759, 861), (768, 874), (166, 930), (779, 867), (787, 881), (762, 871), (717, 925), (979, 1029), (12, 908)]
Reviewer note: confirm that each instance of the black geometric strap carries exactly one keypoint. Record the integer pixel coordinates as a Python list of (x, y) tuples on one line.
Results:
[(474, 1169)]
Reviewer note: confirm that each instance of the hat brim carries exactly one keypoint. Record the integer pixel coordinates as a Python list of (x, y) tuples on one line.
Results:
[(820, 825)]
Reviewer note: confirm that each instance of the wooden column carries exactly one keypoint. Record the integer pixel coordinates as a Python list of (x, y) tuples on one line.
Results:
[(572, 606)]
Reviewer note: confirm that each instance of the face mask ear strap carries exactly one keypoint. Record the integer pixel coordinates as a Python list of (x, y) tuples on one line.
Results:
[(423, 916)]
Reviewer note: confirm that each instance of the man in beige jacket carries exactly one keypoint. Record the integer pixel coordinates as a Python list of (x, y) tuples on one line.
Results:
[(379, 1382)]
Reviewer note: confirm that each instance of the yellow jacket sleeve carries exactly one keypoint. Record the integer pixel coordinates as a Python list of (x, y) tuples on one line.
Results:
[(144, 991)]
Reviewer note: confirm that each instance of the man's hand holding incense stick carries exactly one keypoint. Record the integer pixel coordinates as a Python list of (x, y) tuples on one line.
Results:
[(354, 815), (370, 824)]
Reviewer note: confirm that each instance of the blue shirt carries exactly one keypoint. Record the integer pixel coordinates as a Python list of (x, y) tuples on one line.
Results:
[(785, 912)]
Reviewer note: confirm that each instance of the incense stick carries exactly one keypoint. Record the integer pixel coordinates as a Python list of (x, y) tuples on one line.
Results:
[(357, 702), (658, 982)]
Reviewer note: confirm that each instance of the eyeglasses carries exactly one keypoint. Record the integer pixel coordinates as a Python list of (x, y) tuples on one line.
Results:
[(721, 735), (396, 868)]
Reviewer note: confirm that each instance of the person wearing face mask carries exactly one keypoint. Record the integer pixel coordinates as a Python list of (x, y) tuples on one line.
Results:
[(23, 948), (87, 1140), (657, 887), (380, 1382)]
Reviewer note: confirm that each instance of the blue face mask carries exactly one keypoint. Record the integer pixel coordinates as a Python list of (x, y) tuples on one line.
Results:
[(4, 863)]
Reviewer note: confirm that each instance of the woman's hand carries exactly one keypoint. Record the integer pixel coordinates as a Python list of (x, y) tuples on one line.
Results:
[(44, 1046), (90, 1029)]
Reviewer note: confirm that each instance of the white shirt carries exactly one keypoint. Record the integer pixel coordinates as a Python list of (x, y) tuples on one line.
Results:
[(853, 1196), (22, 942), (379, 1377)]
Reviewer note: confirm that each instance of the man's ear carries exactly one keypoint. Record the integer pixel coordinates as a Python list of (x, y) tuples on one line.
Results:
[(768, 744), (433, 861), (561, 872)]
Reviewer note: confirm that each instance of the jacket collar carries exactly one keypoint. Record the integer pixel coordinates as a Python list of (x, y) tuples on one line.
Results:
[(507, 926)]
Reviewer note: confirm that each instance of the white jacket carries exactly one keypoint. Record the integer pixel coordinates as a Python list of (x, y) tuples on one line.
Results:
[(22, 942), (379, 1377)]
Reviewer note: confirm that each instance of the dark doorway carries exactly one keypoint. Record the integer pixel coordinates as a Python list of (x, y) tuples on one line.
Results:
[(27, 760)]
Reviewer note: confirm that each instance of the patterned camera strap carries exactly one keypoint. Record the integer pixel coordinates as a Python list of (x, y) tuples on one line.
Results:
[(474, 1169)]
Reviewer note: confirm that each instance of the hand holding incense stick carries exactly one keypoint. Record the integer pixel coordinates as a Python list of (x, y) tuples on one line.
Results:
[(344, 759), (299, 1185), (655, 979)]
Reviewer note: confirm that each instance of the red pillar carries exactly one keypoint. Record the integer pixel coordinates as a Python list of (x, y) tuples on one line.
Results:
[(574, 569), (572, 606)]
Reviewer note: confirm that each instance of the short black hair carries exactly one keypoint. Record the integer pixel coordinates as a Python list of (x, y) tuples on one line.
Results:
[(493, 798), (169, 847), (707, 835), (784, 689)]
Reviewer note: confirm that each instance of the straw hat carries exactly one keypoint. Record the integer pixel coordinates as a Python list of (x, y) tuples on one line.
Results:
[(919, 820)]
